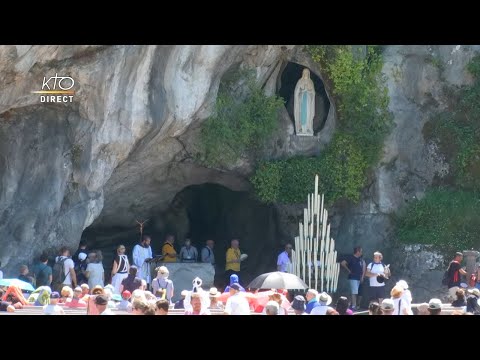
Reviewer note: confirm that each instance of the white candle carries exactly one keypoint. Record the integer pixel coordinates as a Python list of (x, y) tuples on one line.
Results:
[(336, 278), (322, 272), (308, 206), (316, 193), (304, 260), (321, 207)]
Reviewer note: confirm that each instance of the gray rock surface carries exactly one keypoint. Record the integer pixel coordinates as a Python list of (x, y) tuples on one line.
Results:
[(124, 148)]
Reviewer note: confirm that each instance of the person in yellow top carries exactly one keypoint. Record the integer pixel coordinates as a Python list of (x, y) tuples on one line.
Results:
[(232, 265), (168, 251)]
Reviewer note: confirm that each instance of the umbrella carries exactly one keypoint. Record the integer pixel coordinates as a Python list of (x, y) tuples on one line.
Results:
[(22, 285), (277, 280)]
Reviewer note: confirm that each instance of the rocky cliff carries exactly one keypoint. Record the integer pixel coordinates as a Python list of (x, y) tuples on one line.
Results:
[(123, 149)]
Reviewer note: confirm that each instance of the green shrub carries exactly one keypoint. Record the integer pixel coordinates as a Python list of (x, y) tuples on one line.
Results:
[(241, 122), (446, 218), (360, 92), (340, 171)]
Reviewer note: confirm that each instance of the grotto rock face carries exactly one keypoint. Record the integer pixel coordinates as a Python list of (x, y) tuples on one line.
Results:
[(126, 145), (416, 77), (63, 163)]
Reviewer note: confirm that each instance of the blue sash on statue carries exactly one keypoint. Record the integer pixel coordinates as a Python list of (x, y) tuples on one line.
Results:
[(303, 110)]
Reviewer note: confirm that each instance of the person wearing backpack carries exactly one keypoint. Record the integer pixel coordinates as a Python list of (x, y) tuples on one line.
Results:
[(63, 271), (453, 275), (43, 272)]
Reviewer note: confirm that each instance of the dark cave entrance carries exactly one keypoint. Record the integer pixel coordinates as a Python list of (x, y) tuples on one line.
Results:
[(202, 212), (291, 73)]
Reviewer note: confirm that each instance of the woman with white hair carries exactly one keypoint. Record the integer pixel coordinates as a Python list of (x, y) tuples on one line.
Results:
[(272, 308), (95, 272), (162, 286)]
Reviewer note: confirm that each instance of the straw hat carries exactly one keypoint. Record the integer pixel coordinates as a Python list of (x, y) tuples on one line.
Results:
[(213, 292)]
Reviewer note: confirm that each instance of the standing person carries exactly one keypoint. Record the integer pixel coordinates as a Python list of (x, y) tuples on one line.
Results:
[(377, 272), (24, 275), (64, 271), (454, 273), (355, 266), (284, 260), (82, 248), (233, 255), (207, 252), (162, 286), (43, 272), (81, 268), (168, 250), (120, 268), (188, 253), (142, 253), (95, 272)]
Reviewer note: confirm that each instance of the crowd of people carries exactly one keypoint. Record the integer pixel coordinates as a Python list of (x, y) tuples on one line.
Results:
[(79, 281)]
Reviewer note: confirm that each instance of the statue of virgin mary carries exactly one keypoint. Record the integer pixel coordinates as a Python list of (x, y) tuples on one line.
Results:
[(304, 105)]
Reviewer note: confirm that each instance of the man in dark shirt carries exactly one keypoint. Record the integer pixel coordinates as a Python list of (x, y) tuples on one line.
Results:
[(82, 248), (131, 282), (43, 272), (454, 275), (355, 266)]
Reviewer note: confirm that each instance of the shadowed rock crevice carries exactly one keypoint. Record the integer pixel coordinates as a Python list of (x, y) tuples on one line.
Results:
[(201, 212)]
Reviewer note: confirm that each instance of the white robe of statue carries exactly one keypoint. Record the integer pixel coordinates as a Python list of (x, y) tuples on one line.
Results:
[(304, 105)]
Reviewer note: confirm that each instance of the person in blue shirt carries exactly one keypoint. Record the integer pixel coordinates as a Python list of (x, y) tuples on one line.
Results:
[(233, 280), (356, 267)]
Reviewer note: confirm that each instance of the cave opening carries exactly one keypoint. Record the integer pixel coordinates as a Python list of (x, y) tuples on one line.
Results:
[(202, 212), (288, 79)]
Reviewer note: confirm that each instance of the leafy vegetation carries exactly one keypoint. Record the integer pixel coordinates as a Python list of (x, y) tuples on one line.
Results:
[(242, 121), (289, 181), (445, 218)]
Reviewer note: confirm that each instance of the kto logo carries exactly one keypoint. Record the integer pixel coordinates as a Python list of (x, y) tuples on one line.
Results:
[(56, 89)]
